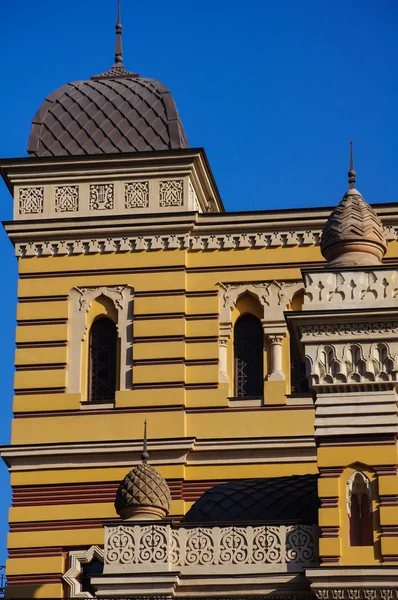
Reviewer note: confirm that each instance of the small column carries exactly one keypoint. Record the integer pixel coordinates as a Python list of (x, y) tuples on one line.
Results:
[(225, 334), (275, 342)]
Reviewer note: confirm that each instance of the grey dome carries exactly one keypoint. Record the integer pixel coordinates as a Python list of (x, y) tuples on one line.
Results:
[(115, 112)]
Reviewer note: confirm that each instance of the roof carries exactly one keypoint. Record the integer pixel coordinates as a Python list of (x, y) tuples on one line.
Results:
[(115, 112), (279, 499)]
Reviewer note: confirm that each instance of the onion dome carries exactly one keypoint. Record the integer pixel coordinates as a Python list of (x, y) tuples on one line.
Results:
[(117, 111), (143, 494), (353, 234)]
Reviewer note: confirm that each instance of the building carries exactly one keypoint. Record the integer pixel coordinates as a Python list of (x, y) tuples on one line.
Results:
[(261, 352)]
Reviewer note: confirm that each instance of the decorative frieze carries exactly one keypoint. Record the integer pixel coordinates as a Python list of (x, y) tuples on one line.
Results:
[(101, 196), (136, 194), (339, 364), (31, 200), (352, 289), (357, 594), (66, 198), (341, 330), (206, 243), (131, 547), (171, 192)]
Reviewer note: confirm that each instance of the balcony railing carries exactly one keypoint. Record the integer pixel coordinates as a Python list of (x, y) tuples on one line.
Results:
[(164, 547)]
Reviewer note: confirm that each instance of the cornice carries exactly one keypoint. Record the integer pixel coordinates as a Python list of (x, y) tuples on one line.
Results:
[(189, 231), (182, 451)]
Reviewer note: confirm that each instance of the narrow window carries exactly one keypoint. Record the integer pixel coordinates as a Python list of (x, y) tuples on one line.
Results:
[(299, 380), (102, 361), (248, 352), (360, 510)]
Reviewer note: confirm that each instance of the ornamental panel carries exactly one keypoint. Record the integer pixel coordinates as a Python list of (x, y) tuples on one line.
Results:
[(67, 198), (171, 193), (136, 194), (31, 200), (102, 196)]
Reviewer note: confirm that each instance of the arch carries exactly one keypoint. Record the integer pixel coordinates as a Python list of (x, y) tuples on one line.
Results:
[(86, 305), (359, 508), (102, 364), (248, 356)]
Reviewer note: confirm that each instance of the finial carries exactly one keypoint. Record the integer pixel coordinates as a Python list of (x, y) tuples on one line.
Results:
[(351, 172), (145, 455), (118, 51)]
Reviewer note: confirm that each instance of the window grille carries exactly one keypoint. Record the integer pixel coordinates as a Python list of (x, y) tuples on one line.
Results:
[(299, 380), (249, 356), (102, 363)]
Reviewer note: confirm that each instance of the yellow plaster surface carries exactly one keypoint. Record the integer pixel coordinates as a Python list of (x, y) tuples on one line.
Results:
[(34, 566), (88, 427)]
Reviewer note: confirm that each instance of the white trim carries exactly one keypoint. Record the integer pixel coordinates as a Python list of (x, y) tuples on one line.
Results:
[(80, 303), (77, 558)]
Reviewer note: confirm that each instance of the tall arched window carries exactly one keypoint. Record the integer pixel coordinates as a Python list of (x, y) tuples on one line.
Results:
[(102, 361), (248, 353), (359, 505)]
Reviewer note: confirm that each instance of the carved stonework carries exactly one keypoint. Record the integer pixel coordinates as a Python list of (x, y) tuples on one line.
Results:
[(81, 300), (171, 192), (275, 297), (180, 548), (193, 201), (342, 330), (66, 198), (351, 289), (342, 364), (356, 594), (87, 295), (78, 558), (101, 196), (136, 194), (31, 201), (222, 242)]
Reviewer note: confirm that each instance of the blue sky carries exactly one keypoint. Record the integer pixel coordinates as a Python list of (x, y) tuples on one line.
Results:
[(274, 91)]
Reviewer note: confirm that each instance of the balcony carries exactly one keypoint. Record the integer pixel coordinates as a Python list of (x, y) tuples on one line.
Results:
[(171, 560)]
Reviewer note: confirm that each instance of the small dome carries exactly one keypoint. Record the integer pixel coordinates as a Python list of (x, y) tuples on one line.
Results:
[(353, 234), (143, 494), (115, 112)]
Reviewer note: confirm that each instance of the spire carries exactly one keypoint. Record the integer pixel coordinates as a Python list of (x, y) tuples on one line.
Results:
[(351, 172), (145, 455), (118, 50)]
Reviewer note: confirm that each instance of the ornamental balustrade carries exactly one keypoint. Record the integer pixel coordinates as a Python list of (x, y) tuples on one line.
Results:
[(164, 547)]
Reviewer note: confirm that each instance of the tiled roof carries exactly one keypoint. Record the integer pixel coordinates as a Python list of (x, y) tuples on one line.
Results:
[(272, 499), (105, 115)]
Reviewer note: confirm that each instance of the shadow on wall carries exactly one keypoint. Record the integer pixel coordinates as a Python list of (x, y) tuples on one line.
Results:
[(23, 591)]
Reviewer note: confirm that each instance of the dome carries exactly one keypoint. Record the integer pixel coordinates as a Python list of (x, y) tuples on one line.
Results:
[(143, 494), (117, 111), (353, 234), (279, 499)]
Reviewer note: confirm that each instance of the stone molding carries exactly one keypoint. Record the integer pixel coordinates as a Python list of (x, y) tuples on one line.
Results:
[(78, 558), (341, 364), (80, 303), (274, 297), (365, 288), (358, 593), (181, 451), (379, 582), (192, 243)]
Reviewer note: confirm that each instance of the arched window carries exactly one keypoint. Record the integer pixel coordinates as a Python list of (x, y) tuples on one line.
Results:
[(248, 353), (102, 361), (359, 505)]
